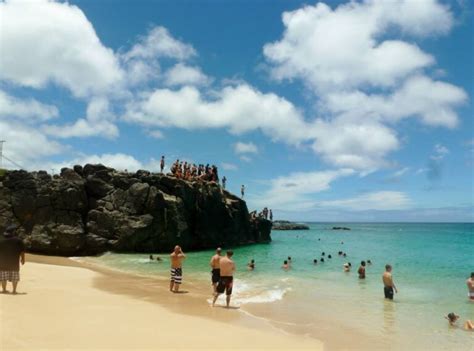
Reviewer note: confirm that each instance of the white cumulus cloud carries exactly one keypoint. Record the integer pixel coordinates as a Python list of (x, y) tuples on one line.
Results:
[(238, 109), (245, 148), (51, 42), (181, 74), (99, 121), (329, 48), (27, 109)]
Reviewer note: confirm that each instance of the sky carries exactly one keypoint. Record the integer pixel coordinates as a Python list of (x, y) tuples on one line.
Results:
[(326, 111)]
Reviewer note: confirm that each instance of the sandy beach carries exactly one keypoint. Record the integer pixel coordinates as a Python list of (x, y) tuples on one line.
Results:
[(64, 305)]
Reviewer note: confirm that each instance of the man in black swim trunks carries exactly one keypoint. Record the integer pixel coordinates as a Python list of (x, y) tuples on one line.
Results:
[(215, 272), (389, 286), (227, 267)]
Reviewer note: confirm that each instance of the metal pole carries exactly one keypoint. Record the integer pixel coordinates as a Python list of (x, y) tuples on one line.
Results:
[(1, 152)]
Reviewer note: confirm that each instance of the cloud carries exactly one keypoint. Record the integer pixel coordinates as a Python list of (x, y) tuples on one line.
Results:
[(342, 47), (293, 192), (433, 102), (141, 61), (26, 145), (401, 172), (28, 109), (245, 158), (434, 170), (229, 166), (99, 121), (239, 109), (245, 148), (440, 152), (363, 78), (396, 176), (159, 43), (49, 42), (181, 74), (362, 146), (157, 134), (380, 200)]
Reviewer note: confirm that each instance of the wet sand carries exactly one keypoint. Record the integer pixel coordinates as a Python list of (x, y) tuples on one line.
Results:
[(68, 305)]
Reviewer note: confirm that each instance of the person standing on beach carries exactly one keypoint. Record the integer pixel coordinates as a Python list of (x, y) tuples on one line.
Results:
[(470, 287), (162, 163), (176, 257), (216, 270), (242, 190), (226, 281), (12, 251), (389, 285)]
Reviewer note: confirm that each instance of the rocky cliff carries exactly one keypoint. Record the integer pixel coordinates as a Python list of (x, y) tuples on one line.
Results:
[(92, 209)]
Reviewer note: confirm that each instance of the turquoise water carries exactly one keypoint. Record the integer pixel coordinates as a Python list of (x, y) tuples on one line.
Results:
[(431, 263)]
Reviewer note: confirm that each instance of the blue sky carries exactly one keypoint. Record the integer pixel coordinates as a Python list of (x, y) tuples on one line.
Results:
[(331, 111)]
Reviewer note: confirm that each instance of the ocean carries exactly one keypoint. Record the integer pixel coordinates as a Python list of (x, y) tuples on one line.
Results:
[(431, 263)]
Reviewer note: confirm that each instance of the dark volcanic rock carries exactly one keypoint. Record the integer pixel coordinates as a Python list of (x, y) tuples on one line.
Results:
[(287, 225), (93, 209), (340, 228)]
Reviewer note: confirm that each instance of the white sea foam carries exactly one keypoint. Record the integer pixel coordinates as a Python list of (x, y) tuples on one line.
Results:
[(244, 293), (262, 297)]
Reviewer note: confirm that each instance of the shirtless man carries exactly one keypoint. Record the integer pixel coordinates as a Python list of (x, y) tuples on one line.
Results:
[(215, 268), (470, 287), (227, 267), (176, 257), (389, 286), (361, 270)]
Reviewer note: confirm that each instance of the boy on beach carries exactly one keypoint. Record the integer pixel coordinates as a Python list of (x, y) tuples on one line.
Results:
[(12, 251), (226, 281), (388, 283), (176, 257), (215, 266)]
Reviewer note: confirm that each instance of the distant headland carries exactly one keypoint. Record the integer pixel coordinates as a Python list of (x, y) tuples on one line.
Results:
[(287, 225)]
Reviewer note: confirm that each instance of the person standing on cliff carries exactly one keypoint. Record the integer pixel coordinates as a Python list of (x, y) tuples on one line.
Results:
[(226, 281), (162, 163), (215, 266), (242, 190), (271, 216), (176, 257), (224, 180), (12, 251)]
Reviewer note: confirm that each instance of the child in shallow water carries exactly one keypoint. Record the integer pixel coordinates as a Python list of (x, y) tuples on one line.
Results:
[(453, 318)]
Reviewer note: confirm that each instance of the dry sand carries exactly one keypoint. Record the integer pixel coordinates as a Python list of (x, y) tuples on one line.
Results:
[(62, 305)]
